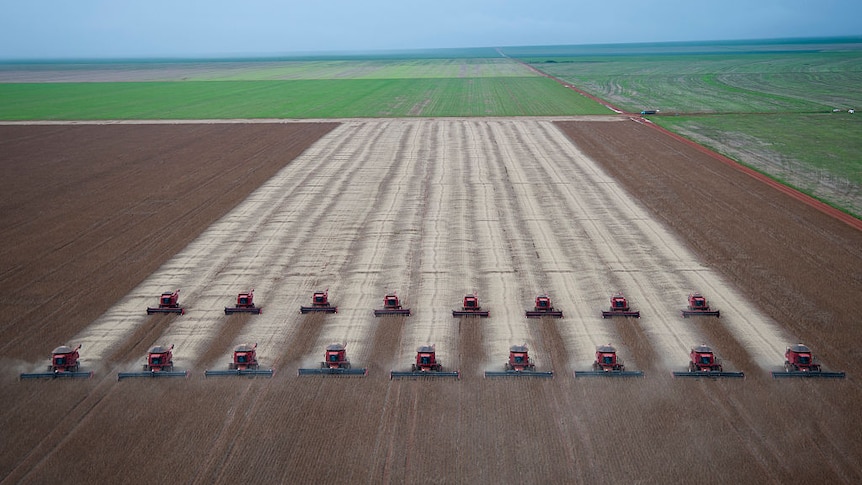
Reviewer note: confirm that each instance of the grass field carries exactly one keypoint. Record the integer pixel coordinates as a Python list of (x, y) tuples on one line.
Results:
[(767, 104)]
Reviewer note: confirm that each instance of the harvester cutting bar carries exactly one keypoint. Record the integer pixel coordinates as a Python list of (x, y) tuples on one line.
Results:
[(318, 309), (151, 310), (816, 374), (620, 313), (332, 372), (540, 314), (232, 310), (406, 374), (126, 375), (57, 375), (708, 374), (391, 311), (700, 313), (240, 372), (610, 373), (515, 373), (471, 313)]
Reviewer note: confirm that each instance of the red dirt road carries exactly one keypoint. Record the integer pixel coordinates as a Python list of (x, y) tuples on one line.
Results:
[(448, 202)]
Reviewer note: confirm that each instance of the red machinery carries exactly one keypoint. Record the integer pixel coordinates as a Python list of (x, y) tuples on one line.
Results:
[(544, 308), (168, 304), (160, 363), (244, 363), (319, 304), (519, 364), (244, 304), (704, 363), (800, 362), (471, 308), (64, 363), (391, 306), (620, 308), (426, 365), (608, 364), (335, 361), (698, 306)]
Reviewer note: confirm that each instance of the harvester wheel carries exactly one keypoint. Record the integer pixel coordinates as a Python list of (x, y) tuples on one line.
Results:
[(692, 367), (346, 365)]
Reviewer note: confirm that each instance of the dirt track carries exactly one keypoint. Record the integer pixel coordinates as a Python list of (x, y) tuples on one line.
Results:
[(435, 209)]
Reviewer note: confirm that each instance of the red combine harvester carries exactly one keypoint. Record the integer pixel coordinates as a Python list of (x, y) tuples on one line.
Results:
[(319, 304), (704, 363), (168, 304), (519, 365), (244, 363), (471, 308), (544, 308), (244, 304), (426, 365), (607, 364), (391, 306), (800, 362), (64, 363), (698, 306), (160, 363), (335, 362), (620, 308)]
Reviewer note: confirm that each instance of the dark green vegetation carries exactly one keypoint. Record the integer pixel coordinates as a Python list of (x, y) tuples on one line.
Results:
[(767, 104)]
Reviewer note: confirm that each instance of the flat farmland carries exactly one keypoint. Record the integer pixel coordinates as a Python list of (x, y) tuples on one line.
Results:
[(434, 209)]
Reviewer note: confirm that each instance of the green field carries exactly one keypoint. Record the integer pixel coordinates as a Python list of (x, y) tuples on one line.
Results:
[(332, 98), (766, 104)]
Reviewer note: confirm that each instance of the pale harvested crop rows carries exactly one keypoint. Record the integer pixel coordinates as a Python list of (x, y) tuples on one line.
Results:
[(435, 209)]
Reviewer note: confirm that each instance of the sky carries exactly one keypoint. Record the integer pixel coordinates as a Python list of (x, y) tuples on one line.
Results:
[(60, 29)]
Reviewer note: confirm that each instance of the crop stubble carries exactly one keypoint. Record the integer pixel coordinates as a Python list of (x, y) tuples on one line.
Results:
[(397, 193)]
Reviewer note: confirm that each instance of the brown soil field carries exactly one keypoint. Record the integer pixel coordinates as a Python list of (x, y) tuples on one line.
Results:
[(97, 219)]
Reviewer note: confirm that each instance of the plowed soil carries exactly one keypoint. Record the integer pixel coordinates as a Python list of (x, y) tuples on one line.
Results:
[(98, 220)]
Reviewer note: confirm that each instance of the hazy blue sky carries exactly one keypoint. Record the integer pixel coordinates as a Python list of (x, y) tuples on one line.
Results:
[(178, 28)]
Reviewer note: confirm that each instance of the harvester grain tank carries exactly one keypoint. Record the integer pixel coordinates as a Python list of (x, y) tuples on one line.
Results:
[(391, 306), (544, 308), (800, 362), (244, 304), (65, 362), (168, 303), (160, 363), (608, 364), (335, 362), (699, 306), (319, 304), (471, 308), (620, 308), (704, 363), (519, 364), (426, 365), (244, 363)]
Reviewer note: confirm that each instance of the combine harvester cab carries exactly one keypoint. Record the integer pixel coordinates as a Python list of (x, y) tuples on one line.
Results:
[(319, 304), (335, 362), (426, 365), (160, 363), (64, 364), (620, 308), (800, 362), (608, 364), (471, 308), (168, 303), (698, 306), (544, 308), (244, 304), (391, 306), (704, 363), (244, 363), (519, 365)]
